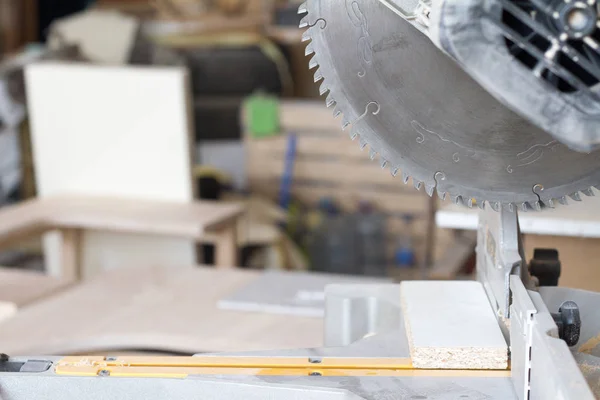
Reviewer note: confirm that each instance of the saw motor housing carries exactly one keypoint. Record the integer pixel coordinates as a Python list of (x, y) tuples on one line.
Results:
[(539, 58)]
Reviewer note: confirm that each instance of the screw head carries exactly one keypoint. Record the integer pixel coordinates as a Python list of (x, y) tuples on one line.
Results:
[(104, 372), (315, 360), (577, 19), (110, 358)]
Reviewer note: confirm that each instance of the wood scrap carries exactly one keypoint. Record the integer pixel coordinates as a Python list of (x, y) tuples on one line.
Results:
[(257, 233), (258, 226), (86, 30)]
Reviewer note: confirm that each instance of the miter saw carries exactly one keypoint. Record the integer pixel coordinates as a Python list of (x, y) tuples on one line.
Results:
[(491, 103)]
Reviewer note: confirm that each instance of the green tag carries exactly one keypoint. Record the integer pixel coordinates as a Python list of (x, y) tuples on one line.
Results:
[(262, 113)]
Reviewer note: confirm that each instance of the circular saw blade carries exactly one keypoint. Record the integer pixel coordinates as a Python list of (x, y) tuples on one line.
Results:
[(428, 119)]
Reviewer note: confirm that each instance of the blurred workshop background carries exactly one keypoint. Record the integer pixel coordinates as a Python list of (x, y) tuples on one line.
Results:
[(257, 133)]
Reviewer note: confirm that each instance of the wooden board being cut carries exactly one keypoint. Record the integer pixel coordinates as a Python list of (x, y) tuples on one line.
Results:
[(450, 325)]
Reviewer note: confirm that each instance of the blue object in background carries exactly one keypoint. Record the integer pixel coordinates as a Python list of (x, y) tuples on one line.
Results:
[(285, 190), (328, 207), (405, 254), (405, 257)]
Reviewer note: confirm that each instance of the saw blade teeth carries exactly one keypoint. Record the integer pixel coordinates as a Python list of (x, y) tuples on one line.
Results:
[(346, 124), (304, 22), (430, 190), (383, 163), (508, 207), (323, 88), (405, 177), (395, 171), (537, 206), (495, 205), (329, 101), (306, 36), (458, 200), (353, 134), (523, 206), (442, 194), (575, 196), (417, 184), (589, 192), (469, 203), (372, 154), (362, 143), (318, 76), (481, 204), (312, 63), (309, 50), (550, 203), (336, 111), (303, 8), (563, 200)]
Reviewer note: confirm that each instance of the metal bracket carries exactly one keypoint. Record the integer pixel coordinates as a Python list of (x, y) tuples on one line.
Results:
[(542, 366), (498, 256), (521, 337)]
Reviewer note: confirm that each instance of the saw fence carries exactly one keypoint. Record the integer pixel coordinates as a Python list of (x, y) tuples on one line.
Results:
[(328, 164)]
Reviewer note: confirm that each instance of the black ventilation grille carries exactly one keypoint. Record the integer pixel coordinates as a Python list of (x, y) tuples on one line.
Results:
[(538, 34)]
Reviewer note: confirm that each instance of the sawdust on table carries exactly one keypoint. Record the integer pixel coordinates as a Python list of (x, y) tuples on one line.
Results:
[(590, 345), (592, 376)]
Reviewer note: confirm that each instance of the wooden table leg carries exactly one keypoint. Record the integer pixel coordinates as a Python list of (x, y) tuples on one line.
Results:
[(71, 253), (226, 249)]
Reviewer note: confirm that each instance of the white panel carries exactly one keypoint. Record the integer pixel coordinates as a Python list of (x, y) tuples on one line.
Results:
[(112, 131)]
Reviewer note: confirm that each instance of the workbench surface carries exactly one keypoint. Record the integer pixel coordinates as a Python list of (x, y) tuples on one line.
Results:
[(154, 309)]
